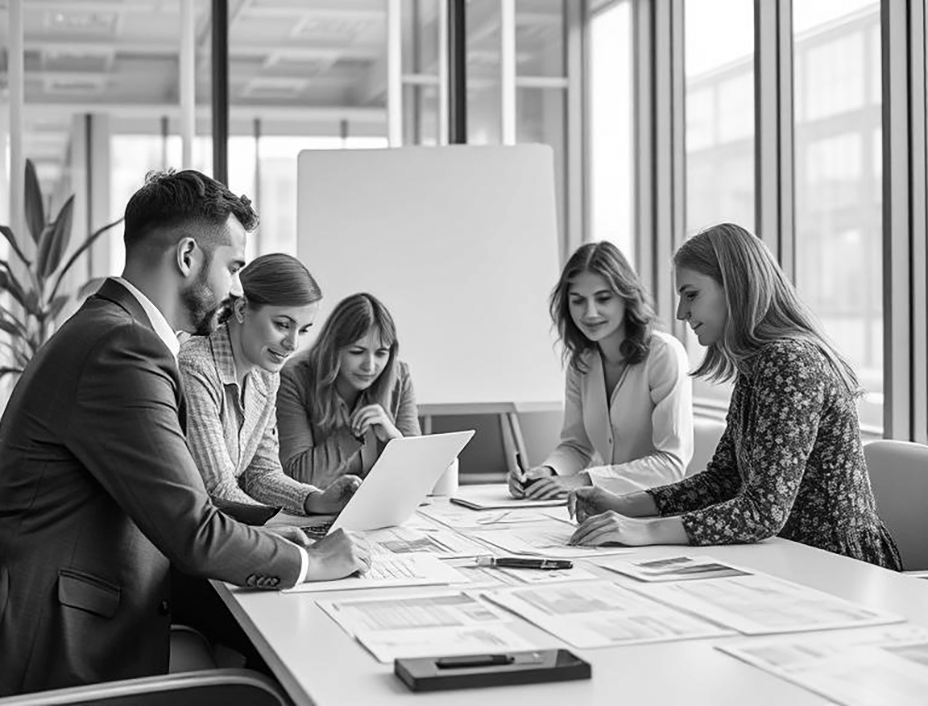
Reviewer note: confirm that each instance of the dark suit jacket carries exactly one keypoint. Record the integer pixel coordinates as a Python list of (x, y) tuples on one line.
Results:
[(98, 493)]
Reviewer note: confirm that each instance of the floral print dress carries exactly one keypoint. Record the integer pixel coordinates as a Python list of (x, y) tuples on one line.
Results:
[(790, 463)]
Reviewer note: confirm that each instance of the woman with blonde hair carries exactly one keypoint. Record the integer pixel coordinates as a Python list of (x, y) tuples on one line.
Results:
[(342, 400), (628, 417), (790, 462)]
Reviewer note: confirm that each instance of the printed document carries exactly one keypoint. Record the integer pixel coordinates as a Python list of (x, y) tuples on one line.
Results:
[(547, 540), (465, 519), (873, 668), (427, 625), (496, 497), (440, 541), (390, 570), (601, 614), (760, 604), (674, 568)]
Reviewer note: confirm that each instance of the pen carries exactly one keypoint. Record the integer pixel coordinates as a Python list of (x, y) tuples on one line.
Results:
[(520, 562), (520, 464)]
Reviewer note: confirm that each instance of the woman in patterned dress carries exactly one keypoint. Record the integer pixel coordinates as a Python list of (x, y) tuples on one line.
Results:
[(790, 462)]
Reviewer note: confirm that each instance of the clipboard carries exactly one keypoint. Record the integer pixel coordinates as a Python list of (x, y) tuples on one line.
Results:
[(472, 671)]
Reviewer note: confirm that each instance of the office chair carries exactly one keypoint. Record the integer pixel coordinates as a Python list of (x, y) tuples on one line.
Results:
[(230, 687), (706, 434), (899, 477)]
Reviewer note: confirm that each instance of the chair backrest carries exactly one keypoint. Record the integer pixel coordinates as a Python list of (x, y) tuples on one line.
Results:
[(230, 687), (899, 477), (706, 434)]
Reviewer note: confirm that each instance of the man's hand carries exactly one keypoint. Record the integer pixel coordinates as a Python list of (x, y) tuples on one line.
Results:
[(338, 554), (333, 498)]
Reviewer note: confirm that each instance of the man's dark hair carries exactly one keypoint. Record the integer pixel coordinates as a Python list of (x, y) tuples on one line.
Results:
[(171, 200)]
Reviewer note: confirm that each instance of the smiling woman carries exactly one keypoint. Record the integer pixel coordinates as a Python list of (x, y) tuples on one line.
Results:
[(628, 419), (231, 378)]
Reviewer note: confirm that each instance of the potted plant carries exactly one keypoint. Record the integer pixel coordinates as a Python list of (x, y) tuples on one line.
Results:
[(28, 317)]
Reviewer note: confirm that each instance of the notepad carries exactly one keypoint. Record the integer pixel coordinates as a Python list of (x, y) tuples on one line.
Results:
[(498, 498)]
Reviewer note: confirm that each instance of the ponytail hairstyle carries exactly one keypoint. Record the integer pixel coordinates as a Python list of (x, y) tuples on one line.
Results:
[(763, 305), (351, 320), (273, 280), (607, 261)]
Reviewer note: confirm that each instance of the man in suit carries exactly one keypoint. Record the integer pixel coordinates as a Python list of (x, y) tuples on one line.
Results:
[(98, 491)]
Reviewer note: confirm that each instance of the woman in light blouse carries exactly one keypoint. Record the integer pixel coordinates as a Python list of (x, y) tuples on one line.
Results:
[(628, 420), (342, 400), (230, 380)]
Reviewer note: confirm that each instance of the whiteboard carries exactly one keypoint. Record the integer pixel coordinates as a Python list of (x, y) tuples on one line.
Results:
[(460, 243)]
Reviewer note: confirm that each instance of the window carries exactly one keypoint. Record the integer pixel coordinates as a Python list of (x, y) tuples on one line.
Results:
[(612, 150), (719, 130), (839, 182)]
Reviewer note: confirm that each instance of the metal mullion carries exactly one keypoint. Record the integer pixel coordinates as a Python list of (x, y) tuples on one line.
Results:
[(918, 121), (220, 104), (643, 131), (773, 130), (575, 221), (897, 223), (668, 149)]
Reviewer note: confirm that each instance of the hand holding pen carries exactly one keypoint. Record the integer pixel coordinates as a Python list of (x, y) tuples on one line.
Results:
[(520, 478)]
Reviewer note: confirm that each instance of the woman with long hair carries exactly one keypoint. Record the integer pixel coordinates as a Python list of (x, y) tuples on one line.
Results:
[(790, 461), (231, 379), (628, 419), (342, 400)]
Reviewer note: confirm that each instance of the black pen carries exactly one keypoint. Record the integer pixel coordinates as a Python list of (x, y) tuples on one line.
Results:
[(521, 562), (520, 464)]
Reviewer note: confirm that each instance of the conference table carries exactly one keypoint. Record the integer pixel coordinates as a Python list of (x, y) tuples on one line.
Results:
[(318, 663)]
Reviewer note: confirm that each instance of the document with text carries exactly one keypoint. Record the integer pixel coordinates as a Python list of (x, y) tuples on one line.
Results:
[(760, 604), (601, 614), (881, 667), (440, 541), (466, 520), (427, 625), (674, 568), (547, 540), (389, 571), (495, 497)]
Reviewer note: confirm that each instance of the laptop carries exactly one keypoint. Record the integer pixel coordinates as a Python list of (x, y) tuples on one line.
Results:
[(406, 471)]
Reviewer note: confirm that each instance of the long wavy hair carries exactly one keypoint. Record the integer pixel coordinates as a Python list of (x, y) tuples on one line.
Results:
[(352, 318), (763, 305), (273, 280), (607, 261)]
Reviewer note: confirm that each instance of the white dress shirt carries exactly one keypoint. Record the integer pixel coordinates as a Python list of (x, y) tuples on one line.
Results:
[(166, 333), (643, 436)]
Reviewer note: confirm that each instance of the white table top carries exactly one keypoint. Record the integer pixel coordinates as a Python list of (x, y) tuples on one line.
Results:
[(317, 663)]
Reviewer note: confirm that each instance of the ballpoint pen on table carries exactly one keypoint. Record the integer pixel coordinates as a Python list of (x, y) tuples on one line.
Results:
[(524, 562)]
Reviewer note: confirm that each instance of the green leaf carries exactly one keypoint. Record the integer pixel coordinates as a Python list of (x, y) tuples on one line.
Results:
[(11, 239), (10, 371), (55, 241), (90, 287), (80, 251), (35, 210)]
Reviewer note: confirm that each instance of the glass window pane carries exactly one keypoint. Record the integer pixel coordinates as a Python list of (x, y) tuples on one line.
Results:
[(612, 148), (719, 130), (839, 181)]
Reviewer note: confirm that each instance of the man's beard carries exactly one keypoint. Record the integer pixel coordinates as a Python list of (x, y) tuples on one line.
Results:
[(201, 304)]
